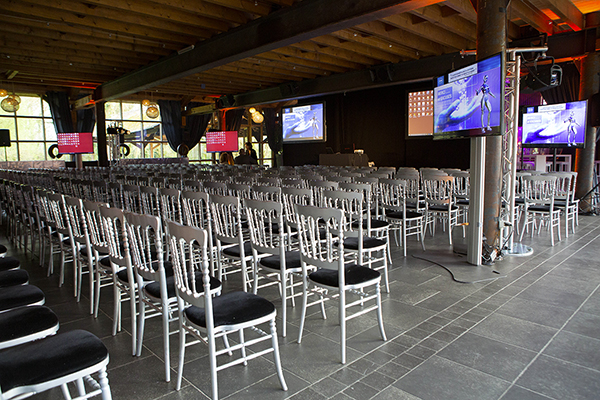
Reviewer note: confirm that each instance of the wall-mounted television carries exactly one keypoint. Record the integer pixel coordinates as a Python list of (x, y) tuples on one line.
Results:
[(75, 143), (303, 123), (219, 141), (420, 113), (554, 125), (469, 102)]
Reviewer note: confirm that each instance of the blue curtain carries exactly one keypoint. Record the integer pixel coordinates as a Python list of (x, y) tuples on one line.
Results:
[(170, 113), (86, 119), (274, 133), (61, 111), (233, 119)]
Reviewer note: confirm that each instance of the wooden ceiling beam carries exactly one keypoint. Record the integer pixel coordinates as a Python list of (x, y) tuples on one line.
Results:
[(332, 47), (568, 12), (454, 23), (26, 61), (266, 67), (249, 6), (430, 39), (201, 7), (396, 49), (160, 11), (43, 72), (464, 8), (333, 64), (302, 21), (38, 10), (60, 32), (532, 16)]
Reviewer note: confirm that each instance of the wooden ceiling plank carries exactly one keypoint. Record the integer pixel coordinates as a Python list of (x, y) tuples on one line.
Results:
[(43, 72), (567, 12), (528, 13), (383, 45), (160, 11), (455, 23), (283, 68), (464, 7), (425, 37), (304, 20), (38, 10), (253, 7), (250, 67), (334, 47)]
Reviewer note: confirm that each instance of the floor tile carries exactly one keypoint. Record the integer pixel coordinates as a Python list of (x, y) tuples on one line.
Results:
[(578, 349)]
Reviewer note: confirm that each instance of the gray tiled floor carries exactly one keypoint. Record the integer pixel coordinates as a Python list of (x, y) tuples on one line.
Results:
[(533, 334)]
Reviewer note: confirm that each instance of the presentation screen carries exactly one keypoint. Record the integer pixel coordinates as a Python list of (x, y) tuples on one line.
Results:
[(217, 142), (75, 143), (469, 102), (303, 123), (554, 125), (420, 113)]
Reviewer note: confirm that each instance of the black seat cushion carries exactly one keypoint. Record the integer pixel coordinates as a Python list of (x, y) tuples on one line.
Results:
[(351, 243), (539, 208), (8, 263), (13, 277), (122, 274), (25, 321), (83, 252), (463, 202), (3, 249), (232, 308), (234, 251), (354, 275), (48, 359), (153, 289), (398, 214), (441, 207), (17, 296), (375, 224), (292, 261)]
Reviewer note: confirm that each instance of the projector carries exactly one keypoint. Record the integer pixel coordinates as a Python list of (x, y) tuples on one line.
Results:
[(543, 78)]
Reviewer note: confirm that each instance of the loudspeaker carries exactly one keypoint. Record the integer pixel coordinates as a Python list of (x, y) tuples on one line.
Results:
[(594, 110), (4, 138), (226, 101)]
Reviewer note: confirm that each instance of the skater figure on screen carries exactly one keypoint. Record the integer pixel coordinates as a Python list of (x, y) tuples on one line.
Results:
[(485, 103), (571, 129)]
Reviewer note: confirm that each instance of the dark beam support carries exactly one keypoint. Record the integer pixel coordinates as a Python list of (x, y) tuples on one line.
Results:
[(304, 20), (101, 134)]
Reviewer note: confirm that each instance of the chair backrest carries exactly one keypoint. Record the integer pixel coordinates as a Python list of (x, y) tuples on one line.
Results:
[(225, 212), (188, 246), (351, 203), (74, 212), (97, 235), (149, 200), (195, 209), (170, 204), (539, 189), (268, 181), (438, 190), (321, 237), (266, 193), (131, 198), (562, 190), (392, 194), (116, 194), (145, 238), (113, 223), (193, 185), (292, 182), (318, 187), (59, 221), (292, 196), (100, 191), (238, 190), (265, 223), (462, 183), (218, 188)]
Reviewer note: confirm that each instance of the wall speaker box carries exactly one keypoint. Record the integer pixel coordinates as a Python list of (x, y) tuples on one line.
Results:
[(4, 138)]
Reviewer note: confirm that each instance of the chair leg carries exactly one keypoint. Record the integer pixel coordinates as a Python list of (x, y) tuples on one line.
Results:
[(104, 387), (141, 326), (379, 313), (167, 350), (342, 306), (303, 313), (277, 359)]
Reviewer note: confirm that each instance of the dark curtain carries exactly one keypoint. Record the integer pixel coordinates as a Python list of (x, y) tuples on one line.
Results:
[(568, 89), (170, 113), (233, 119), (274, 132), (195, 127), (60, 110), (86, 119)]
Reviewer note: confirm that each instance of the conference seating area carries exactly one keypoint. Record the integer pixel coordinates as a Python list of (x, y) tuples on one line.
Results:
[(109, 249)]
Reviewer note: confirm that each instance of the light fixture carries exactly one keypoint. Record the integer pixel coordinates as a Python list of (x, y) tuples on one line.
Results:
[(152, 111), (3, 93), (252, 110), (16, 98), (145, 102), (9, 104), (257, 117)]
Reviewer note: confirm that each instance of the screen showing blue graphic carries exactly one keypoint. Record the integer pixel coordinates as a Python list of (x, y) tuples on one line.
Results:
[(555, 125), (470, 101), (303, 123)]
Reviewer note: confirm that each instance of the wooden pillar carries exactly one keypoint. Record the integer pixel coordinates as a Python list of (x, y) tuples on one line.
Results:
[(101, 133)]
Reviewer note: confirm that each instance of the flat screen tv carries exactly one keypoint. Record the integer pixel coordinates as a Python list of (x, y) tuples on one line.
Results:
[(219, 141), (303, 123), (469, 102), (554, 125), (75, 143), (420, 113)]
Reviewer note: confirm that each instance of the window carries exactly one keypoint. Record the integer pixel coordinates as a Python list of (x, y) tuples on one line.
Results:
[(31, 130), (145, 138)]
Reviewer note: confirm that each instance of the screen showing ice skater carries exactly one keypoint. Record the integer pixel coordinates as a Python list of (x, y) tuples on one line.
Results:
[(470, 103), (303, 123), (555, 125)]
